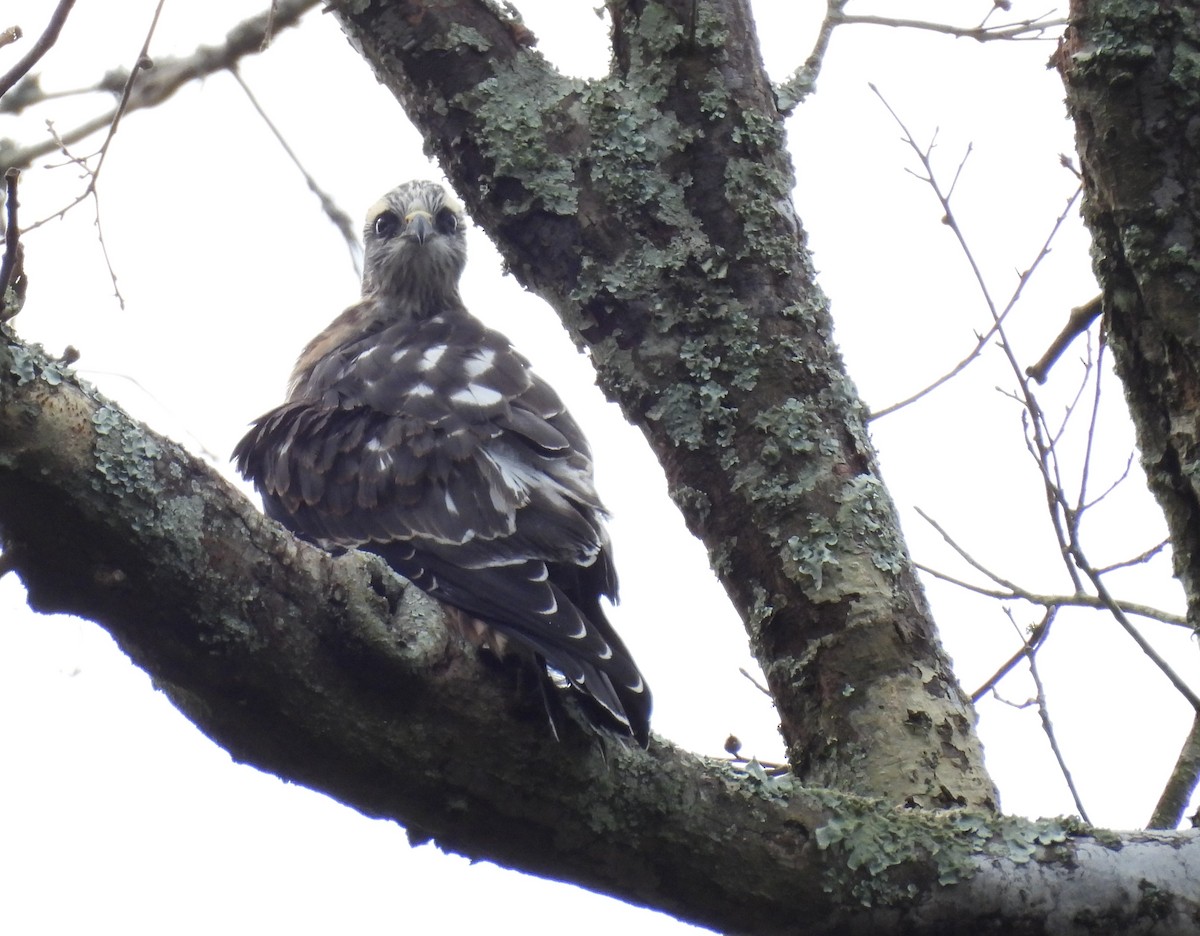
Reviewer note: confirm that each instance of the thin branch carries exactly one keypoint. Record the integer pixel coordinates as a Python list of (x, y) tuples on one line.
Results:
[(143, 62), (966, 556), (1047, 724), (924, 155), (1078, 322), (1168, 812), (40, 48), (804, 80), (1036, 638), (1027, 29), (756, 684), (1121, 479), (11, 272), (339, 219), (1136, 560), (170, 74), (1118, 614), (1080, 600)]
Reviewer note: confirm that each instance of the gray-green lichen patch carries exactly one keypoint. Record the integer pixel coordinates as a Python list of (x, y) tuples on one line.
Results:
[(521, 115), (875, 842), (125, 455), (460, 35), (865, 508), (30, 363)]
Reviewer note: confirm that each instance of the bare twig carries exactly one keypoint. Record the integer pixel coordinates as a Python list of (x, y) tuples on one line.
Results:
[(1079, 600), (924, 155), (1081, 503), (966, 556), (1121, 479), (1078, 322), (1027, 29), (1028, 645), (804, 80), (1044, 714), (1176, 795), (755, 683), (1118, 614), (40, 48), (339, 218), (170, 74), (1137, 560)]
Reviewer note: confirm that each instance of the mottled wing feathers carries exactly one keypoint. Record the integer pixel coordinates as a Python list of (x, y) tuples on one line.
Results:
[(433, 444)]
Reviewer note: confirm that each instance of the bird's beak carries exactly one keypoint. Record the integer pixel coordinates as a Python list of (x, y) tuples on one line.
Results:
[(418, 225)]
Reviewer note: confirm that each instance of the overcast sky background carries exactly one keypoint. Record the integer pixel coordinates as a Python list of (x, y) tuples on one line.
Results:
[(115, 810)]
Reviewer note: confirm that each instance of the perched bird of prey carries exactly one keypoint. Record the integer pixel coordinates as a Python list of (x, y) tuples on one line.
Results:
[(413, 431)]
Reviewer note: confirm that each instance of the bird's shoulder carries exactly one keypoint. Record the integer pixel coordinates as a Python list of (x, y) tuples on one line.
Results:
[(447, 364)]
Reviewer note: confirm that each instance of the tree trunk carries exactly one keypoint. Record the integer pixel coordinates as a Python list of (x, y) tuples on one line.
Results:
[(1132, 74)]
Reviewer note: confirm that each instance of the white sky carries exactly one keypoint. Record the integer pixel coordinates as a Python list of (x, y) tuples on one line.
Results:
[(114, 808)]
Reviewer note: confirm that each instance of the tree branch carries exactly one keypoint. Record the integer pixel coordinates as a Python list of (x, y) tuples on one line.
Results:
[(45, 42), (331, 673), (167, 76)]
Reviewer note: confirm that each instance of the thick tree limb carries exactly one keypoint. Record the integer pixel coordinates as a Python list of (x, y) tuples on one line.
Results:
[(1132, 98), (653, 210), (330, 673)]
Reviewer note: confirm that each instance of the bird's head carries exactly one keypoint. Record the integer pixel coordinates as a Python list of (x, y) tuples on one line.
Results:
[(415, 247)]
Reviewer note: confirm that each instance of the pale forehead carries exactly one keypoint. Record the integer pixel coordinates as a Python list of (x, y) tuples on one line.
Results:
[(426, 196)]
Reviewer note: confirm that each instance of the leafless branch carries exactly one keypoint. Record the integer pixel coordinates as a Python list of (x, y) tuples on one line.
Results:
[(339, 218), (755, 683), (1119, 615), (1027, 29), (1036, 638), (924, 155), (1080, 600), (966, 556), (1078, 322), (1044, 714), (804, 80), (1177, 793), (1137, 560), (1064, 515), (40, 48), (170, 74)]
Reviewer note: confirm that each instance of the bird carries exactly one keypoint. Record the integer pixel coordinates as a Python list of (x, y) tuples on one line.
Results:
[(413, 431)]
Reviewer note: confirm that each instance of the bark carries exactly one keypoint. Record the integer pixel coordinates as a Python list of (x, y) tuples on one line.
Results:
[(652, 209), (330, 673), (1132, 72)]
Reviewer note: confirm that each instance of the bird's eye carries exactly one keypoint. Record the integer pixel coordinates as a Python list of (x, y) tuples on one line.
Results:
[(447, 221), (386, 225)]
